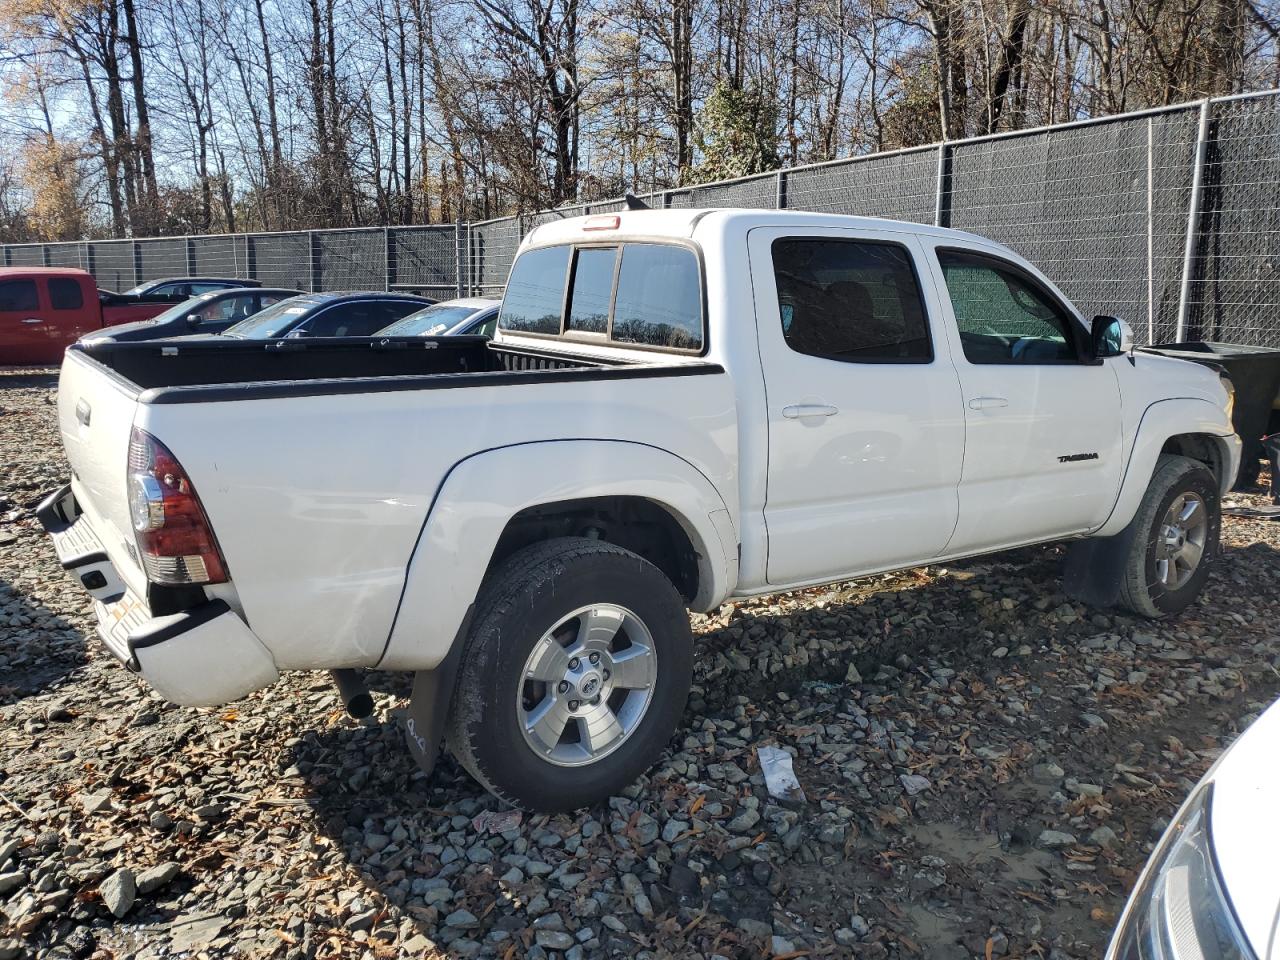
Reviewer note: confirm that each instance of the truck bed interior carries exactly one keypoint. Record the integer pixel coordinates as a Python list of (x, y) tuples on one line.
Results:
[(159, 364)]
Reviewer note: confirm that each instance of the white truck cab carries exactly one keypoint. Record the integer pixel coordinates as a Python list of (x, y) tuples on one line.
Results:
[(680, 406)]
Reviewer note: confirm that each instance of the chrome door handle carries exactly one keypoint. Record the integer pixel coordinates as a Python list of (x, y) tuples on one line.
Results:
[(985, 403), (799, 410), (33, 320)]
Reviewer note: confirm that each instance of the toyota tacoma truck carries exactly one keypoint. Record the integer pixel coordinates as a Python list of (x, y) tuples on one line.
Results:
[(679, 407)]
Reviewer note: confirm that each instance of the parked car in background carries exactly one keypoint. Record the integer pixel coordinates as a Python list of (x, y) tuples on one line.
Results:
[(184, 287), (1210, 890), (469, 316), (208, 313), (350, 314), (679, 407), (42, 309)]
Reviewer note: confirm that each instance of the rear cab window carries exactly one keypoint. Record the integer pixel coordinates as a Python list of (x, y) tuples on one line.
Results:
[(65, 294), (631, 293), (851, 300)]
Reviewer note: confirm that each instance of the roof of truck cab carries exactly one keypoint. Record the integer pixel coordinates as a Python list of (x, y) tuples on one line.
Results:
[(682, 223), (43, 271)]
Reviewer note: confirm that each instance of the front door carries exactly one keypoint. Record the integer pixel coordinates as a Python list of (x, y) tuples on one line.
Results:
[(1043, 446), (27, 333), (866, 433)]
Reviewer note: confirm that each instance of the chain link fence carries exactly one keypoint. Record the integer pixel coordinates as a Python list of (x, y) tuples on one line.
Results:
[(1169, 218)]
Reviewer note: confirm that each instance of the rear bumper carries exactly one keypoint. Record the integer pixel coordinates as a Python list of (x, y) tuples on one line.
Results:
[(204, 656)]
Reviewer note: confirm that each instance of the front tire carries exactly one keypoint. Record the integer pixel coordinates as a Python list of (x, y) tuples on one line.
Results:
[(1175, 538), (574, 675)]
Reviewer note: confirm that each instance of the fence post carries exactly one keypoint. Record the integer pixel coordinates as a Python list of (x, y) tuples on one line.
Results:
[(1193, 220), (1151, 233), (780, 197), (137, 263), (191, 256), (389, 258), (942, 202), (250, 257), (473, 262), (89, 260), (8, 255), (313, 246), (459, 259)]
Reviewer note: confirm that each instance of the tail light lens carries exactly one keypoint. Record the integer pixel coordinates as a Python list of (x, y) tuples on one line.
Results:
[(173, 533)]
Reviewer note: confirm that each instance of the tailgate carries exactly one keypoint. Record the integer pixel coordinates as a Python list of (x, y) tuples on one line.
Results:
[(95, 417)]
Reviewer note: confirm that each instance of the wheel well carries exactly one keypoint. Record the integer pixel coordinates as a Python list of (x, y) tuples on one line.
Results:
[(1197, 446), (633, 523)]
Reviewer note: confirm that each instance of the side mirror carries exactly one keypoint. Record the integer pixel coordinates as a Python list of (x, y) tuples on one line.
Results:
[(194, 320), (1110, 337)]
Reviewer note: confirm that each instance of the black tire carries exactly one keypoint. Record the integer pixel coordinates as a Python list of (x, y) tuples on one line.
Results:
[(524, 598), (1141, 589)]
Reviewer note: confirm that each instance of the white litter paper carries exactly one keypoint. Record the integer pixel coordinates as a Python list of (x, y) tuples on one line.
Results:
[(779, 777)]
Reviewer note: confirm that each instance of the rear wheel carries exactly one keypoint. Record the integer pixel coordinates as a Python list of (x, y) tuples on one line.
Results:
[(574, 675), (1175, 537)]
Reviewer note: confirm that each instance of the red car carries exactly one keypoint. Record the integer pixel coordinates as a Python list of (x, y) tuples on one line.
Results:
[(43, 309)]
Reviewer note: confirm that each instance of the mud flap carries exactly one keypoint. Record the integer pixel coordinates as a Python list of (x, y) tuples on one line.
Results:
[(429, 702), (1094, 568)]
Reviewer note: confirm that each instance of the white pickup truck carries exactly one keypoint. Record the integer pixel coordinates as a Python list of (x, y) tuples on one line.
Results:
[(679, 407)]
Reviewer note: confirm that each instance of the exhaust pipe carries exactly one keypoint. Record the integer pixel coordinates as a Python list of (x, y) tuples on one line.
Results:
[(355, 696)]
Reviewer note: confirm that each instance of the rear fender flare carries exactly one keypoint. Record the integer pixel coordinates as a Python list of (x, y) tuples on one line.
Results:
[(1160, 421), (483, 492)]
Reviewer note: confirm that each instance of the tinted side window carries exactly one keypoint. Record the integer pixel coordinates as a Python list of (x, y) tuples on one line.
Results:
[(18, 295), (195, 289), (1003, 315), (343, 320), (535, 291), (65, 294), (393, 310), (229, 309), (850, 300), (659, 298), (592, 289)]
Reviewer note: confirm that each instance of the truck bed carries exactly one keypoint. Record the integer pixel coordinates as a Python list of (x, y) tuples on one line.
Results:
[(301, 367)]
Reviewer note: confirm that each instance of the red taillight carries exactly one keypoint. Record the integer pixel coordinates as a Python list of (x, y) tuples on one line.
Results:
[(173, 534)]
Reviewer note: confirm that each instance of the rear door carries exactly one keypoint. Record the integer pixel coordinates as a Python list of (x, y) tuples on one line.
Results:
[(73, 306), (866, 434), (1043, 435)]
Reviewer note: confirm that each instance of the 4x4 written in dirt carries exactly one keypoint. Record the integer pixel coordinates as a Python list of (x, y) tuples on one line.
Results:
[(679, 407)]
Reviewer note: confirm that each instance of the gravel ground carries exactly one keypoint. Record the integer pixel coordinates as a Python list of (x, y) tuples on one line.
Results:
[(986, 766)]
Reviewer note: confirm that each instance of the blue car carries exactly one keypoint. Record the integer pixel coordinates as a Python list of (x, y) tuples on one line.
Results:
[(349, 314)]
